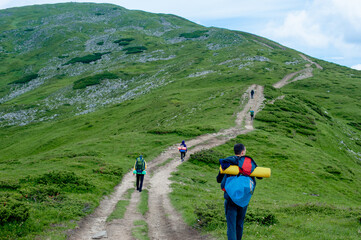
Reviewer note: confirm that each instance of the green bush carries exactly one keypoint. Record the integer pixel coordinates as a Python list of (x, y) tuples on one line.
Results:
[(195, 34), (308, 208), (356, 125), (190, 131), (270, 92), (93, 80), (66, 180), (87, 59), (40, 193), (210, 215), (12, 210), (206, 157), (333, 170), (124, 41), (133, 50), (8, 184), (261, 217), (109, 170), (25, 79)]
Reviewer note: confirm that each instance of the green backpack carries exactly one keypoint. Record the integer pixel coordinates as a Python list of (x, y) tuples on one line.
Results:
[(140, 165)]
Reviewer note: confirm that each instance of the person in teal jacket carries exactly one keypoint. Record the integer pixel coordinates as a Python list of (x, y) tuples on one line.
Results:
[(139, 169), (235, 214)]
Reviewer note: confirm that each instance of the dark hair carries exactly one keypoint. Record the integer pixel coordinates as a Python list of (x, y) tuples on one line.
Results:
[(238, 148)]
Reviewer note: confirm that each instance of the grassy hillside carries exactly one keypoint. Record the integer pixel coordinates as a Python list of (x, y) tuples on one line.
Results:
[(85, 88), (312, 146)]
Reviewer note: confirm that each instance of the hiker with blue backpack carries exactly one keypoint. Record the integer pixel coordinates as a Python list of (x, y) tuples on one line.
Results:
[(139, 169), (238, 190), (252, 114)]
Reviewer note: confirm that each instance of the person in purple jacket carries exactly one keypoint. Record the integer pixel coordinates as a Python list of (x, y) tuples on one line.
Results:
[(183, 151)]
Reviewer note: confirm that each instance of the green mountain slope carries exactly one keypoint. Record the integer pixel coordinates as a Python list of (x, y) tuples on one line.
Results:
[(85, 88)]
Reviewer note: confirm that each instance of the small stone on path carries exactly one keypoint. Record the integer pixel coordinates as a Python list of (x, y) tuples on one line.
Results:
[(99, 235)]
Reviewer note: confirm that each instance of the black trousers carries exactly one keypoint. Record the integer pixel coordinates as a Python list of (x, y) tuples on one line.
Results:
[(140, 178), (183, 154)]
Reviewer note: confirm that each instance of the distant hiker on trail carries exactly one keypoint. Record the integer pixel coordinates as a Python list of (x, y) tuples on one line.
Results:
[(238, 190), (252, 93), (182, 149), (139, 169), (252, 114)]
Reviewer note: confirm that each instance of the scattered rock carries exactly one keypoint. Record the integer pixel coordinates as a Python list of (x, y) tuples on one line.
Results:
[(99, 235)]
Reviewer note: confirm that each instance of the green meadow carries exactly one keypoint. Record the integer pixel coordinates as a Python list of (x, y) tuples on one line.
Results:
[(85, 88)]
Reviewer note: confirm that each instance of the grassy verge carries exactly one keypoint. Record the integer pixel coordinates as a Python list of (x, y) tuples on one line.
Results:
[(143, 203), (121, 206), (165, 162), (140, 231)]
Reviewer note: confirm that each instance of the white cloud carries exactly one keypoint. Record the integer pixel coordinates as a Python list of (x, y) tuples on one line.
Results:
[(300, 27), (331, 25), (357, 67)]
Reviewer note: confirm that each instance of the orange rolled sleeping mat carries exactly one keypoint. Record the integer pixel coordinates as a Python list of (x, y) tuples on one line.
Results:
[(257, 172)]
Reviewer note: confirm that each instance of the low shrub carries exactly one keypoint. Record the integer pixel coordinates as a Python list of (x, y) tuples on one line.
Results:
[(109, 170), (133, 50), (309, 208), (356, 125), (8, 184), (12, 210), (93, 80), (190, 131), (195, 34), (270, 92), (66, 180), (206, 157), (210, 215), (25, 79), (40, 193), (124, 41), (333, 170), (261, 217), (87, 59)]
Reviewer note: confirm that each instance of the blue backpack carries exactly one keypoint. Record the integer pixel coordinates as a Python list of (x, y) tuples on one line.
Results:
[(240, 189)]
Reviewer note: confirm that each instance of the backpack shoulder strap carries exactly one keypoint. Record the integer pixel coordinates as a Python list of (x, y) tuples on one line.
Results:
[(246, 165)]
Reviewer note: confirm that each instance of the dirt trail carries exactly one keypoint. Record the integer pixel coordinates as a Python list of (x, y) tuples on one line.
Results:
[(164, 222), (302, 74)]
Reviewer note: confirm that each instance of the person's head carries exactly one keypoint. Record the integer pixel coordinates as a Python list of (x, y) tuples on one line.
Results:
[(183, 142), (239, 149)]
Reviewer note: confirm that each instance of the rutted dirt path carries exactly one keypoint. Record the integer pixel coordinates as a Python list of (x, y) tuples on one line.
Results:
[(164, 222), (296, 76)]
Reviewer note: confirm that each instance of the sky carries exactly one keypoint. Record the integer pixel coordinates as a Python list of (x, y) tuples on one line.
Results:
[(326, 29)]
